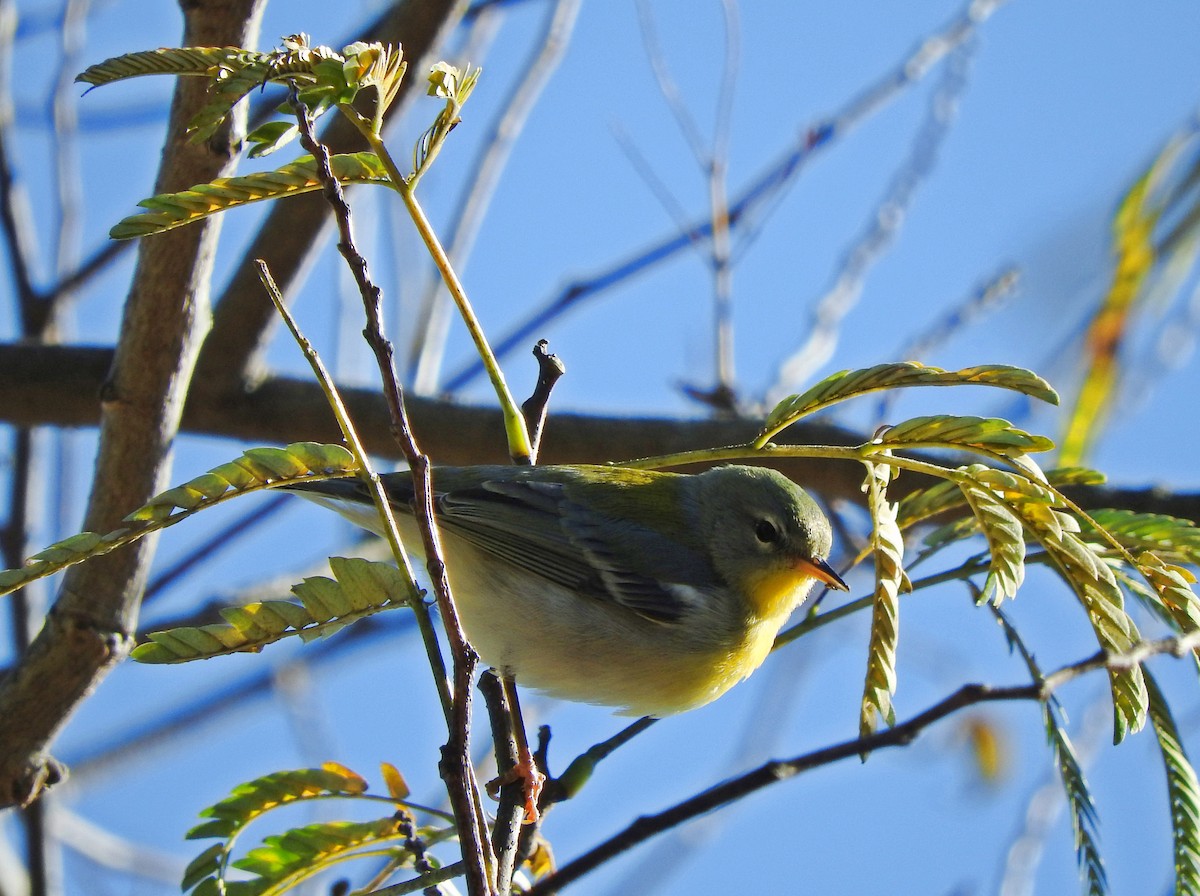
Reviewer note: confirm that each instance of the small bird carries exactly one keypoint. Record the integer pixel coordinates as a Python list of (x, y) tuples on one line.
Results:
[(650, 592)]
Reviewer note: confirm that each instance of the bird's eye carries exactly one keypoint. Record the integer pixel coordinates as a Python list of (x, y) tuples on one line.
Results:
[(766, 532)]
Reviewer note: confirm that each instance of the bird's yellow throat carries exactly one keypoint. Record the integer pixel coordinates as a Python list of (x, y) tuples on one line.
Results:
[(772, 592)]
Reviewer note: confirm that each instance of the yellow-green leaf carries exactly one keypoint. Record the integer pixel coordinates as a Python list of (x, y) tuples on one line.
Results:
[(990, 434), (360, 588), (851, 383), (1006, 542), (171, 210), (887, 545)]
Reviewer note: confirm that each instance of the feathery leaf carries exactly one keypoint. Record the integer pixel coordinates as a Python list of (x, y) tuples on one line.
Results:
[(888, 546), (990, 434), (360, 588), (257, 469), (1096, 587), (171, 210), (1006, 542), (851, 383), (1183, 792)]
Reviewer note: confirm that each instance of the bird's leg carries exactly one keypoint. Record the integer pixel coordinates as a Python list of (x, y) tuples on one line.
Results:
[(525, 768)]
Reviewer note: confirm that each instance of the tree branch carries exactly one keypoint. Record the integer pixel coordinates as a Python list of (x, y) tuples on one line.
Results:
[(90, 628), (60, 386)]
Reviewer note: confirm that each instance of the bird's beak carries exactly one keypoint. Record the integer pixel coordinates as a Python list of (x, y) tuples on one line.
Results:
[(819, 569)]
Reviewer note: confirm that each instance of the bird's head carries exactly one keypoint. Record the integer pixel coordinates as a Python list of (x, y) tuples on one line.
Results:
[(768, 539)]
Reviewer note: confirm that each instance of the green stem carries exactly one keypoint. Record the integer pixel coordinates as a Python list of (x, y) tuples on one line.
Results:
[(515, 429), (519, 447), (869, 452)]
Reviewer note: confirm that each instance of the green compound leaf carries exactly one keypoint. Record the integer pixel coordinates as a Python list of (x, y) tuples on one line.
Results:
[(1174, 540), (1063, 477), (249, 800), (287, 859), (1089, 576), (1096, 587), (1183, 793), (928, 502), (947, 495), (207, 62), (360, 588), (1172, 587), (257, 469), (1006, 542), (1080, 805), (888, 546), (990, 434), (267, 138), (852, 383), (207, 864), (322, 76), (171, 210)]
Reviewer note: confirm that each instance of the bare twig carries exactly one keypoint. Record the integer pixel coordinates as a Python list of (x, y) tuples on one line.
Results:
[(507, 828), (59, 386), (550, 370), (189, 718), (209, 548), (902, 734), (97, 262), (107, 850), (723, 393), (16, 219), (714, 163), (456, 765), (66, 126)]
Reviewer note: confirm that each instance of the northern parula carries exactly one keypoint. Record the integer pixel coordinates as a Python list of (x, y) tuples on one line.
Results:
[(651, 592)]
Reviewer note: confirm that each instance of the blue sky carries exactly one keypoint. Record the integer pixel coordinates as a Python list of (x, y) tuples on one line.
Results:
[(1061, 105)]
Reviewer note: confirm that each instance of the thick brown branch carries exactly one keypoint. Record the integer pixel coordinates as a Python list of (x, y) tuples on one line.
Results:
[(91, 625), (60, 386)]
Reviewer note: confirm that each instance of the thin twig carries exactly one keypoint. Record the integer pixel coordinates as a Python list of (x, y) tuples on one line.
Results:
[(773, 772), (724, 397), (187, 720), (66, 131), (428, 882), (94, 264), (579, 770), (669, 89), (535, 408), (458, 770), (291, 233), (507, 828), (714, 163), (16, 218), (24, 609)]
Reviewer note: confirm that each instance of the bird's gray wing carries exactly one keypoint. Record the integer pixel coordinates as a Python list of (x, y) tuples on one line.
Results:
[(535, 526)]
